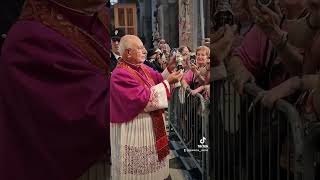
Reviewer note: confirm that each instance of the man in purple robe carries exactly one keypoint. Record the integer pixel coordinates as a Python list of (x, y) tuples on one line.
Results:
[(54, 113), (138, 95)]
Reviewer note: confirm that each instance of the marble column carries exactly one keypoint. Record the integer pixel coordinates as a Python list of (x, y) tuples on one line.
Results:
[(185, 23)]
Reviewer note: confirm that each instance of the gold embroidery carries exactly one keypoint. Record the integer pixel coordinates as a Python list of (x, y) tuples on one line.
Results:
[(42, 12)]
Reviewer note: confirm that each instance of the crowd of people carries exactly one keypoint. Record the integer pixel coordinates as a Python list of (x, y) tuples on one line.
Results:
[(141, 85), (195, 65), (70, 103), (277, 51), (66, 101)]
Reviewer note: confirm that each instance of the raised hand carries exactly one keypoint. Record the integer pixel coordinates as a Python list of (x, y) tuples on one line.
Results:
[(267, 19), (194, 68), (174, 77), (172, 63), (221, 44)]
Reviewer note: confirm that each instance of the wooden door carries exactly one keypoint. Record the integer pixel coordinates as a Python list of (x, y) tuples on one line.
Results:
[(125, 15)]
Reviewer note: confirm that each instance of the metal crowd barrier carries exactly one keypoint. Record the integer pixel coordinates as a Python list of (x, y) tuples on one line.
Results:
[(250, 142), (188, 117)]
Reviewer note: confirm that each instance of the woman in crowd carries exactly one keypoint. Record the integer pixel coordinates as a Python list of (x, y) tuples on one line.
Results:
[(199, 73), (152, 62), (185, 52)]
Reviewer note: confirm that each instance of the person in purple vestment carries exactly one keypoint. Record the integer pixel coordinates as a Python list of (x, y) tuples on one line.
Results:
[(138, 95), (54, 113), (260, 58)]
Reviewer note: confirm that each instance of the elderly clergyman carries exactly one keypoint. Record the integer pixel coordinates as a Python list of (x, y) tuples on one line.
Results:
[(138, 95)]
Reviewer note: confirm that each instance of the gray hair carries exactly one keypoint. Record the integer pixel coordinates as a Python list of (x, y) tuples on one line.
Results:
[(126, 43)]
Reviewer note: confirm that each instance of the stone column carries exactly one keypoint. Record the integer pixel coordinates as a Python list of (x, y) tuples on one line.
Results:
[(163, 23), (147, 22), (168, 21), (173, 23), (185, 23), (208, 17)]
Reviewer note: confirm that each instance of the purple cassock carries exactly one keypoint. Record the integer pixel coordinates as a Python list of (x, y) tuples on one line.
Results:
[(127, 97), (53, 103)]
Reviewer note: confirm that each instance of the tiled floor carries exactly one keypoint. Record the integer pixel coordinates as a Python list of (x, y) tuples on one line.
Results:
[(181, 165)]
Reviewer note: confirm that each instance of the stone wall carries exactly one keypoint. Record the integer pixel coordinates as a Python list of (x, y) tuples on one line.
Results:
[(185, 23), (168, 21)]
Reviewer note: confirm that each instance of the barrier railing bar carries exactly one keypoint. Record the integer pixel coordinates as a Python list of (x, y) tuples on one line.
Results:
[(254, 141), (261, 141), (184, 144), (292, 115), (278, 146), (199, 121), (234, 131), (269, 144)]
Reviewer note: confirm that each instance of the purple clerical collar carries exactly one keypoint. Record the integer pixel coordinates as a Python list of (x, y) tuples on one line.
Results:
[(133, 66)]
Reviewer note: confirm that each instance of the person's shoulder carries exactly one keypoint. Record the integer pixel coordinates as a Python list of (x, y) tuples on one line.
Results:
[(35, 33), (28, 38), (188, 73), (147, 63), (253, 38), (299, 33), (119, 72), (255, 30), (121, 76), (113, 58), (24, 30), (112, 55), (296, 24)]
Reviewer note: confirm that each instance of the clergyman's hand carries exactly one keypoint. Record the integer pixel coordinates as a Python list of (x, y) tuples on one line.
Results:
[(174, 77)]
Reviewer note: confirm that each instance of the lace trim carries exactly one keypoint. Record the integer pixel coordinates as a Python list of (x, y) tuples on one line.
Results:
[(42, 12), (161, 138), (140, 160), (153, 101)]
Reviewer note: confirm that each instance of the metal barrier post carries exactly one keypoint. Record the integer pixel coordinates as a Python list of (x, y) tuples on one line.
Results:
[(262, 137), (193, 114)]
